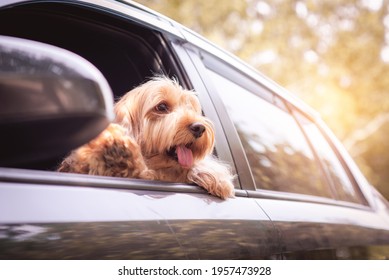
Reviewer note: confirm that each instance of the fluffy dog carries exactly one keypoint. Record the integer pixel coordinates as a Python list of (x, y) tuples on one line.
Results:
[(159, 134)]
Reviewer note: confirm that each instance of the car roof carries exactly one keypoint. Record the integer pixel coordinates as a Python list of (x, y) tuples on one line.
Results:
[(157, 21)]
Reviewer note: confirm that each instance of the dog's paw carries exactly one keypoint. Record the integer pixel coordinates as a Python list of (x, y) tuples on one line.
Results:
[(112, 153), (225, 189), (220, 188), (122, 155), (214, 178), (148, 174)]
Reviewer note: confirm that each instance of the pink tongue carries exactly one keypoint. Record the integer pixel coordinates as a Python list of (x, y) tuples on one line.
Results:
[(185, 156)]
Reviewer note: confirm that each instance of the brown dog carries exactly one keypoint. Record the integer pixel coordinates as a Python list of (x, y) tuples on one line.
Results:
[(159, 134)]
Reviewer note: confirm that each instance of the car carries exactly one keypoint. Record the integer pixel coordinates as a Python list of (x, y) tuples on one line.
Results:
[(298, 193)]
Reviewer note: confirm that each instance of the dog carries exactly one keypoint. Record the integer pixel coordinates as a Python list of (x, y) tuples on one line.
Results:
[(159, 133)]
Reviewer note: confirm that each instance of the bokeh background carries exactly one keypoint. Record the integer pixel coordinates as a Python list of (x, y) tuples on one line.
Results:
[(333, 54)]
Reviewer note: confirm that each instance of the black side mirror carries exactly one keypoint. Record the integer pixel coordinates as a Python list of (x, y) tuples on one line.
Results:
[(51, 101)]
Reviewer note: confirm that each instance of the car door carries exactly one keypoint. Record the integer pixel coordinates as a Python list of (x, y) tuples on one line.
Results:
[(291, 169), (49, 215)]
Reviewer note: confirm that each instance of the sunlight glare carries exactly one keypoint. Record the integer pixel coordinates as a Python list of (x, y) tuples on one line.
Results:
[(373, 5), (385, 54), (301, 9)]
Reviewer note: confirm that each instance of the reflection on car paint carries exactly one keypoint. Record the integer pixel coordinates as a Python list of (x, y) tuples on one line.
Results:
[(213, 239)]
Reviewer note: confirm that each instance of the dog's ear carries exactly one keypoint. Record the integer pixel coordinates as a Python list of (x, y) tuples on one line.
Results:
[(131, 109), (127, 113)]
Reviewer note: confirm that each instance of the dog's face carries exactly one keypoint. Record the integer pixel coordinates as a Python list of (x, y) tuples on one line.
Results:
[(167, 123)]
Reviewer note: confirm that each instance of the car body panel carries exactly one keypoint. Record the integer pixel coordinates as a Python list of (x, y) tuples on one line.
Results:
[(49, 215), (156, 218), (107, 200)]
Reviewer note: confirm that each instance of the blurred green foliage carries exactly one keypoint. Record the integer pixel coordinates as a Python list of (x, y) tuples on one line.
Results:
[(333, 54)]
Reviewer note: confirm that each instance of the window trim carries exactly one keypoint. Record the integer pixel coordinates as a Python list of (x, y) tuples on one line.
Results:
[(306, 198), (39, 178)]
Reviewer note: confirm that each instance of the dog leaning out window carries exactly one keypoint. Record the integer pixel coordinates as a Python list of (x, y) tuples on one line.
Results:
[(159, 134)]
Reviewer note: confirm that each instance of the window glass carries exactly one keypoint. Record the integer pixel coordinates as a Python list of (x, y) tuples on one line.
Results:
[(278, 153), (345, 189)]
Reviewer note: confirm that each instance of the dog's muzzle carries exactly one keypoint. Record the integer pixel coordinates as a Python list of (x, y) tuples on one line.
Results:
[(183, 153)]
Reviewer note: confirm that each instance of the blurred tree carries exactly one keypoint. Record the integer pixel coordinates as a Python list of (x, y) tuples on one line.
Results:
[(334, 54)]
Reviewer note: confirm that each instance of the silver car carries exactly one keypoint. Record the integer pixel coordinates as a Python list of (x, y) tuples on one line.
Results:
[(299, 195)]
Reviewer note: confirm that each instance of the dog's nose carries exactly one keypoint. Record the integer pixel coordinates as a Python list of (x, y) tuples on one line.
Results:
[(197, 129)]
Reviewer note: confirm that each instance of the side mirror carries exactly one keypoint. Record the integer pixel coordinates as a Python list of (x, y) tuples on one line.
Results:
[(51, 101)]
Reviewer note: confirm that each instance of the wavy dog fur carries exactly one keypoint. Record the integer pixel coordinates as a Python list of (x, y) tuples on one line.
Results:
[(159, 134)]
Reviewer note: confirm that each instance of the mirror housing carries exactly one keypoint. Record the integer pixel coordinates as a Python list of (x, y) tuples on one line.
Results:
[(51, 101)]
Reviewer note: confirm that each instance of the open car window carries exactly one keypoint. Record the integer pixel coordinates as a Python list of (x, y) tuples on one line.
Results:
[(125, 52)]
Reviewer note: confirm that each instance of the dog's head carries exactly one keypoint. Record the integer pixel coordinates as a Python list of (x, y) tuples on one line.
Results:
[(167, 123)]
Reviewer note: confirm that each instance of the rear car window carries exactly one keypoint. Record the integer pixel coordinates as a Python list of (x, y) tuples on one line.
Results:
[(338, 177)]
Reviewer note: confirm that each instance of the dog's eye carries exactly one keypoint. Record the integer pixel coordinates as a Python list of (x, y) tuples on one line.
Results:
[(162, 108)]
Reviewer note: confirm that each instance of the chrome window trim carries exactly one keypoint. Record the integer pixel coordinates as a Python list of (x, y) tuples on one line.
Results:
[(51, 178), (275, 195)]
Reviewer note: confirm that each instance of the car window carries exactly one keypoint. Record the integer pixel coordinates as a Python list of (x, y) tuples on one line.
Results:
[(277, 151), (339, 178), (126, 53)]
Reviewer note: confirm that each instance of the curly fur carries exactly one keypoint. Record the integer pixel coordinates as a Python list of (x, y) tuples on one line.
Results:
[(152, 138)]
